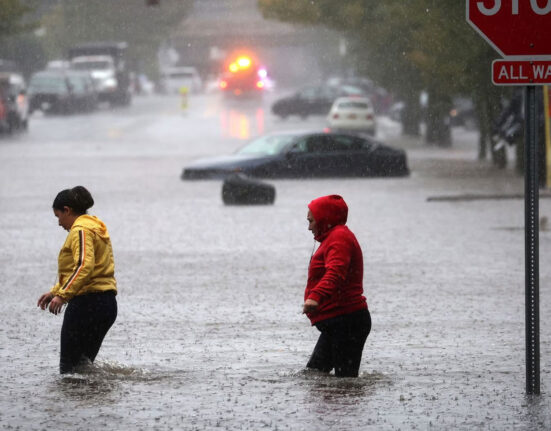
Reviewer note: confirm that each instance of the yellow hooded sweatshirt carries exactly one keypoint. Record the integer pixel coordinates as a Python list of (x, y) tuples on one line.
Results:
[(85, 262)]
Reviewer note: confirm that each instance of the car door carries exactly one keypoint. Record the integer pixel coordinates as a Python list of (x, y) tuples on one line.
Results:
[(308, 101), (333, 155), (316, 158), (351, 155), (336, 155)]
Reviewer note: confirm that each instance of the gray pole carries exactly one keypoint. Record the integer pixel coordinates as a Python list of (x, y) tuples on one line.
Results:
[(531, 245)]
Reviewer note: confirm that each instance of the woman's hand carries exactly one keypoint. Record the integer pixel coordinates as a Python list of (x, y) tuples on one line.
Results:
[(56, 305), (44, 300), (310, 306)]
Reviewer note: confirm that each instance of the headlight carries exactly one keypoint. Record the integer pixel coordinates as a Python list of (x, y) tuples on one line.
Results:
[(110, 83)]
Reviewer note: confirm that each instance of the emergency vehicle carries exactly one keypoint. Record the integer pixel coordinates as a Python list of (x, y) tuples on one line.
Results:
[(243, 76)]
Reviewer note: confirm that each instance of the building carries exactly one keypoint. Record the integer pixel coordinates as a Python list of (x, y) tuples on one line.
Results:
[(216, 28)]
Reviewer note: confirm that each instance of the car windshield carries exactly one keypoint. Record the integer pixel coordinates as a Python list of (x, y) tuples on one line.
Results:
[(353, 105), (267, 145), (4, 87), (180, 75), (92, 65), (47, 83)]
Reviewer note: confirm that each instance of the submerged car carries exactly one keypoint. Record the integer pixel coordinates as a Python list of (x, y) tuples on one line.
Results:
[(305, 155), (352, 113)]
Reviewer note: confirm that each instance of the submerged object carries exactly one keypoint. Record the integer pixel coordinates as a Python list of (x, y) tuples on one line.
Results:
[(241, 190)]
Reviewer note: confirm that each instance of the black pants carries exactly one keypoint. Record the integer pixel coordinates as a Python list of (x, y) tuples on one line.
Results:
[(87, 319), (341, 344)]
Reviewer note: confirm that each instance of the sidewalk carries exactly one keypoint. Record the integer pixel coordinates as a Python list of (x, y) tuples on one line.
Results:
[(461, 160)]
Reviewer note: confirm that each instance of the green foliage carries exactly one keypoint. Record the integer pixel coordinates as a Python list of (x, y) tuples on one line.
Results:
[(144, 28), (405, 45), (12, 14)]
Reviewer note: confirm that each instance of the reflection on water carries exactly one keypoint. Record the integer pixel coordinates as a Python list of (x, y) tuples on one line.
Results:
[(240, 124)]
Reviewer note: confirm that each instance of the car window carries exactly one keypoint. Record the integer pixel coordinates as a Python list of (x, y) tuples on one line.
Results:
[(353, 105), (5, 88), (48, 83), (267, 145), (335, 143), (308, 93), (325, 144), (299, 146), (78, 83), (92, 65)]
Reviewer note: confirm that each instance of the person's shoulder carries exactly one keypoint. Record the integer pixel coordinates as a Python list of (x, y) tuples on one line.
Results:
[(341, 232)]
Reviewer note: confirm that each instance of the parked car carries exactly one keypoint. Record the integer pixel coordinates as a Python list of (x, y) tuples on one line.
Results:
[(83, 89), (463, 113), (303, 155), (62, 91), (50, 91), (312, 100), (174, 78), (352, 113), (14, 106)]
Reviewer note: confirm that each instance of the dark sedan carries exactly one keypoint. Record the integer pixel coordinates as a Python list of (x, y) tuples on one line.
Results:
[(305, 155), (62, 91), (311, 100)]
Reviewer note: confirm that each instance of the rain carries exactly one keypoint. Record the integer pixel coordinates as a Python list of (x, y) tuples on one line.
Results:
[(210, 332)]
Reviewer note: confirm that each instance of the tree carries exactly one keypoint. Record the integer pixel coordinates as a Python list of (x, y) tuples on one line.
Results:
[(409, 46), (142, 27), (12, 14)]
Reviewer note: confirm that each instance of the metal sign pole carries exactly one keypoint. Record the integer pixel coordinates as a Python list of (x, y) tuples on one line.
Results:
[(531, 236)]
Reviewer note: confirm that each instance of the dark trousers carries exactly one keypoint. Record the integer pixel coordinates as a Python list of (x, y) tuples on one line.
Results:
[(341, 344), (87, 319)]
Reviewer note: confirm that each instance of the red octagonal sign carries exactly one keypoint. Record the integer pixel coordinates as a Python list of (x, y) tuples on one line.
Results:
[(515, 28)]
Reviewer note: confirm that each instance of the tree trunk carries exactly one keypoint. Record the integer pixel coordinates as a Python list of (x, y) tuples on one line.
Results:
[(411, 116), (438, 120)]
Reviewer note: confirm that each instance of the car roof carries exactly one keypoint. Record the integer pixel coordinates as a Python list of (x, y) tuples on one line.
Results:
[(296, 133), (12, 77), (50, 73), (88, 58), (352, 99), (299, 133)]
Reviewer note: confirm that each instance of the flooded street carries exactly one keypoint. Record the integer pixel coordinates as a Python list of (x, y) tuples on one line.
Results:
[(210, 333)]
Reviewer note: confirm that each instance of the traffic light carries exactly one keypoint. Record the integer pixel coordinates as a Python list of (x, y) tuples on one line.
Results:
[(152, 2)]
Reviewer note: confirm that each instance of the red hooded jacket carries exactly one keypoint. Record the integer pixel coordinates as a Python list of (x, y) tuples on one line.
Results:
[(335, 274)]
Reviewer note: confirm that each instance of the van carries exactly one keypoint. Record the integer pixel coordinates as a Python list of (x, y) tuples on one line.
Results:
[(174, 78)]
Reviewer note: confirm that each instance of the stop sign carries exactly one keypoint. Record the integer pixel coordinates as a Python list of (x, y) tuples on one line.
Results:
[(515, 28)]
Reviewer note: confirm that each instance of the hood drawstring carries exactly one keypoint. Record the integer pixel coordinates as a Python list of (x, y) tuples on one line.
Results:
[(313, 250)]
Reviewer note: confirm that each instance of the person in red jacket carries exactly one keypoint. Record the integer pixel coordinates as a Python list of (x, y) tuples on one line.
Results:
[(333, 299)]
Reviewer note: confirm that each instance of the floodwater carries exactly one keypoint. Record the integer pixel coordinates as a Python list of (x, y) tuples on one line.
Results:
[(209, 333)]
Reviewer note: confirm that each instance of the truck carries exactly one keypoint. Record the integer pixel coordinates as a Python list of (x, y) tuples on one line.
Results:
[(107, 63), (243, 77)]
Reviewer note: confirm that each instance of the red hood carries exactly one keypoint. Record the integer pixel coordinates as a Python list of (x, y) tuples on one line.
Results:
[(328, 211)]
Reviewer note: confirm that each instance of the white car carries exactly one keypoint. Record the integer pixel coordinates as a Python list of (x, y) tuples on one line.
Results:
[(352, 113), (174, 78)]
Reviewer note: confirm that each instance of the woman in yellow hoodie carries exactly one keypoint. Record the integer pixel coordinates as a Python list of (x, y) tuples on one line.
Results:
[(86, 280)]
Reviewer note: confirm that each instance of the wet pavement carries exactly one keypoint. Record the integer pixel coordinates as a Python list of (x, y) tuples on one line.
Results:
[(209, 333)]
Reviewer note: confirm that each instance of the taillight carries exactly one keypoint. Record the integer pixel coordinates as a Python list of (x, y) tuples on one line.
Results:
[(369, 117), (335, 116), (223, 85)]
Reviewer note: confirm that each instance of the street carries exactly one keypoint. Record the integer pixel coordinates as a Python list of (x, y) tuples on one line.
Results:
[(209, 333)]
